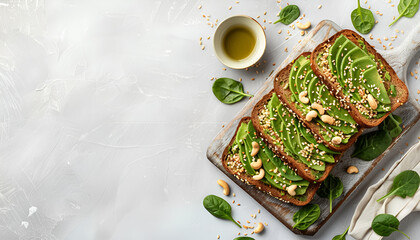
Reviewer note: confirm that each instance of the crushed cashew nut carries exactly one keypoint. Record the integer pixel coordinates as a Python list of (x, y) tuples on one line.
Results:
[(352, 169)]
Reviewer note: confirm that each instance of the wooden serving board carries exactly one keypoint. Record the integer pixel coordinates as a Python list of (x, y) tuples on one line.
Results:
[(409, 112)]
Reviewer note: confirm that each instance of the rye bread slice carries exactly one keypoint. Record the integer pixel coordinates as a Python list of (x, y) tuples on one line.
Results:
[(281, 195), (401, 88), (280, 80), (302, 170)]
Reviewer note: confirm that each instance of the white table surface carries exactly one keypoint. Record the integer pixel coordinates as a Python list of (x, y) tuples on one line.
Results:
[(107, 111)]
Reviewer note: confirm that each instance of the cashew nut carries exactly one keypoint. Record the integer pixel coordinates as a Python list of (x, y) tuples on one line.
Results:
[(291, 190), (255, 148), (259, 228), (311, 115), (303, 25), (336, 140), (352, 169), (260, 175), (303, 98), (318, 107), (372, 102), (225, 186), (256, 165), (327, 119)]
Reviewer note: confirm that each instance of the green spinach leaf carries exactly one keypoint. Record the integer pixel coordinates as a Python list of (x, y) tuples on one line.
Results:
[(244, 238), (385, 224), (391, 124), (371, 145), (362, 19), (306, 216), (407, 8), (228, 90), (219, 208), (288, 14), (405, 184), (331, 188), (342, 236)]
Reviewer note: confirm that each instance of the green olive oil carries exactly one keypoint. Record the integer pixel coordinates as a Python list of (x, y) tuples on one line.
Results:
[(239, 42)]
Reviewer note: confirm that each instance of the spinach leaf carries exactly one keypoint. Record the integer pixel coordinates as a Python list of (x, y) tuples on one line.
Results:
[(371, 145), (331, 188), (342, 236), (385, 224), (362, 19), (288, 14), (407, 8), (405, 184), (244, 238), (228, 90), (392, 125), (306, 216), (219, 208)]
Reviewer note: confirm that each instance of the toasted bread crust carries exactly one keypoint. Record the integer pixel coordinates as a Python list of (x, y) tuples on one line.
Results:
[(284, 94), (402, 91), (281, 195), (302, 170)]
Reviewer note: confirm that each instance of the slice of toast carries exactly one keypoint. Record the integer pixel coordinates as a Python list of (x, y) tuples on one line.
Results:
[(302, 169), (273, 191), (281, 84), (326, 76)]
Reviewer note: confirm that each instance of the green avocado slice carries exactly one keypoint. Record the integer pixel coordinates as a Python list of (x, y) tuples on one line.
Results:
[(333, 106), (353, 54), (293, 73), (310, 138), (344, 49), (333, 52), (300, 76), (373, 80)]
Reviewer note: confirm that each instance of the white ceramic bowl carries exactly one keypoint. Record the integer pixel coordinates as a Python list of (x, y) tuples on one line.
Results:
[(232, 22)]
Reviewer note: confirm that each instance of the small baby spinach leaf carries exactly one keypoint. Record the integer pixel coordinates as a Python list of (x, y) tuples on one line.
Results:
[(288, 14), (244, 238), (306, 216), (362, 19), (371, 145), (385, 224), (331, 188), (219, 208), (407, 8), (391, 124), (342, 236), (405, 184), (228, 90)]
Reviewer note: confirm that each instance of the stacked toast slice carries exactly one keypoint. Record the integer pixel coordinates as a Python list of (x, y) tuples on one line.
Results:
[(321, 103)]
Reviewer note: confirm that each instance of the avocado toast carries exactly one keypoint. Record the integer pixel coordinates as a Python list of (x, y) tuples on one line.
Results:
[(300, 89), (359, 77), (289, 138), (263, 169)]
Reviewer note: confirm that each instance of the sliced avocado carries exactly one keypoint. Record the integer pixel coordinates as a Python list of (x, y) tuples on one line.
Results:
[(333, 52), (292, 75), (344, 49), (375, 85), (313, 89), (310, 138), (286, 171), (300, 76), (333, 106), (345, 67), (242, 156)]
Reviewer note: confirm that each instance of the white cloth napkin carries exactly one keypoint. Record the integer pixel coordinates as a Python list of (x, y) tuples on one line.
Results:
[(368, 208)]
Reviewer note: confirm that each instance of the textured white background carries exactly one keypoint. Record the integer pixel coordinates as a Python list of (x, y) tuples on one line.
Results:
[(106, 112)]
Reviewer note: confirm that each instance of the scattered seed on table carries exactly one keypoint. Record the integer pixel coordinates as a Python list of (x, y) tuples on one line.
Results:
[(199, 7), (320, 6), (230, 7), (203, 47)]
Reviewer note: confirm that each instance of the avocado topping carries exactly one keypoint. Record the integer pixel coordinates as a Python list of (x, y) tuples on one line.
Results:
[(277, 173), (360, 75), (302, 79), (293, 138)]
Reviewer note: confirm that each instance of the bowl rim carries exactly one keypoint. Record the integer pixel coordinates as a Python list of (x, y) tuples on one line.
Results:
[(264, 39)]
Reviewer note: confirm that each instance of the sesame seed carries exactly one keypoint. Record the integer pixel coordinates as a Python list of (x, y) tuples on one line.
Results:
[(230, 7), (199, 7), (203, 47), (320, 6)]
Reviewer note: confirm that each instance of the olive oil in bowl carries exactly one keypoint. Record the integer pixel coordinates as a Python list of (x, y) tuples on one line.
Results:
[(239, 42)]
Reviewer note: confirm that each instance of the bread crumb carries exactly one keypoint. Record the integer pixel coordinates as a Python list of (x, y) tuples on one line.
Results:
[(383, 169)]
